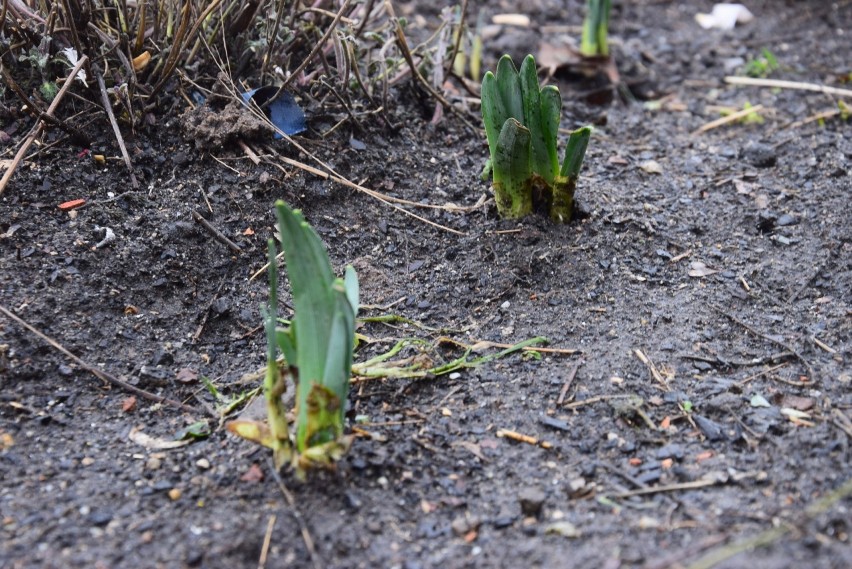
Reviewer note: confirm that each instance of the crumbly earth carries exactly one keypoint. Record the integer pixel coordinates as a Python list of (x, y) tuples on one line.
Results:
[(707, 288)]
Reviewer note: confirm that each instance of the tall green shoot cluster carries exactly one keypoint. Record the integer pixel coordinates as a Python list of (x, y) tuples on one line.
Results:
[(521, 124), (317, 352), (594, 42)]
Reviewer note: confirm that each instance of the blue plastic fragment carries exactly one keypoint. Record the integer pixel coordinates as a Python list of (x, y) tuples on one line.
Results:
[(284, 112)]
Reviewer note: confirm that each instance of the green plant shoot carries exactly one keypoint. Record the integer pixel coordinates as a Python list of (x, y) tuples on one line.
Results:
[(521, 125), (317, 352), (594, 42), (763, 65)]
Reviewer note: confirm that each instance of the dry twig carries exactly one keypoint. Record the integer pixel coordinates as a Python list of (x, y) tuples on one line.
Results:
[(733, 117), (267, 540), (777, 84), (652, 368), (516, 436), (218, 235), (571, 375), (114, 123)]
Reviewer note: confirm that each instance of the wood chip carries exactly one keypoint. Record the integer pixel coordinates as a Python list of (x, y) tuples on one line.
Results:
[(520, 20), (698, 269), (515, 436), (73, 204)]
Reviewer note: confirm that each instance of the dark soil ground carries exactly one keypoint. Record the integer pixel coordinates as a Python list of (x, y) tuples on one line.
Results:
[(730, 271)]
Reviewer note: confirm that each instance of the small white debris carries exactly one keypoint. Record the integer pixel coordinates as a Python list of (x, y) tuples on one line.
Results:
[(698, 269), (724, 16), (71, 55), (519, 20), (563, 528), (651, 167), (758, 400), (109, 237), (647, 522)]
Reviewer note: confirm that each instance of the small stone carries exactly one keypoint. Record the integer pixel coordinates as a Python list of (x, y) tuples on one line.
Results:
[(175, 494), (759, 155), (531, 500), (649, 477), (352, 500), (563, 528), (785, 220), (220, 306), (153, 463), (463, 525), (554, 423), (670, 451), (100, 518), (87, 461), (711, 429), (202, 463), (576, 485)]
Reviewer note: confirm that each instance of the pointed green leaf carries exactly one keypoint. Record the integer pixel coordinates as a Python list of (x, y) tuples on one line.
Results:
[(287, 344), (551, 115), (603, 28), (492, 110), (575, 152), (341, 340), (543, 144), (350, 283), (512, 174), (501, 99), (509, 87), (270, 314), (594, 40), (588, 41), (272, 274)]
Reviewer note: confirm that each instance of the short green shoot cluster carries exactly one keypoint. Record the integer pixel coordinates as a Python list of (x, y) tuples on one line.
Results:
[(762, 65), (594, 42), (521, 124), (317, 352)]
